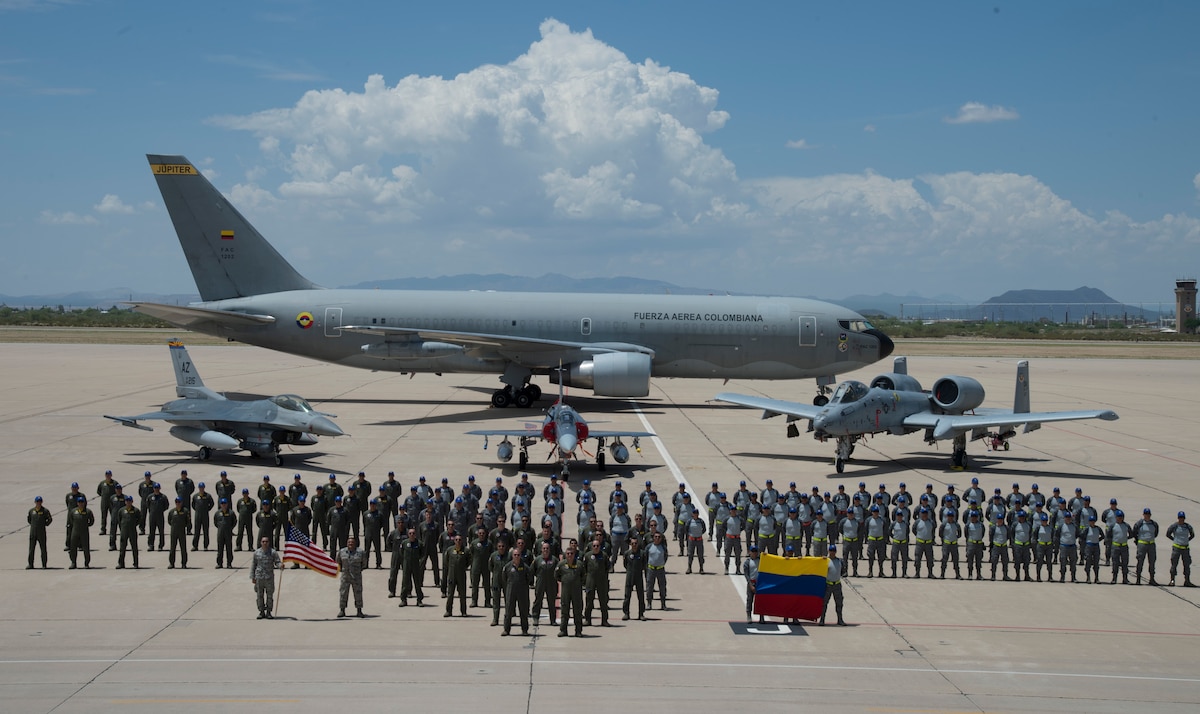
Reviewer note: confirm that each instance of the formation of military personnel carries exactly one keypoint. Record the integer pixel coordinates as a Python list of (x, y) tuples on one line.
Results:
[(498, 545)]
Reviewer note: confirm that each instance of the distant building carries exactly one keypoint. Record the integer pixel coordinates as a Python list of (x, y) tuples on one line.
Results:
[(1185, 304)]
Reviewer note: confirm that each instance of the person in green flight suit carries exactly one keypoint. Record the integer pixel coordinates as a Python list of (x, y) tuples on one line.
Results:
[(39, 519), (570, 577)]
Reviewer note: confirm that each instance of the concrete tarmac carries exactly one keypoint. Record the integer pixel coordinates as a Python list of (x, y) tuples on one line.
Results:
[(188, 640)]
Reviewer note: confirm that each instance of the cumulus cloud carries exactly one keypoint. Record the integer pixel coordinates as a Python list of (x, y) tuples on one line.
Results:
[(573, 154), (66, 218), (978, 113), (111, 203)]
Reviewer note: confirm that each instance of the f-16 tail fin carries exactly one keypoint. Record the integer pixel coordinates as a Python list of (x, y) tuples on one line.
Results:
[(187, 378), (228, 257)]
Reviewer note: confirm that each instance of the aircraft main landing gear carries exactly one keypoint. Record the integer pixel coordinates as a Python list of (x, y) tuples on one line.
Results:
[(205, 453), (958, 458), (522, 398)]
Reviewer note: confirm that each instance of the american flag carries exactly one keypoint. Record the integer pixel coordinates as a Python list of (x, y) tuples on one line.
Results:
[(300, 549)]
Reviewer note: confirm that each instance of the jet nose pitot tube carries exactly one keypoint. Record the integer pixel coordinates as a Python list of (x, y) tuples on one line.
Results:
[(324, 426)]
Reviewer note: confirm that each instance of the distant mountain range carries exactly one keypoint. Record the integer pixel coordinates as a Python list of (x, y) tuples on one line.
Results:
[(1012, 306)]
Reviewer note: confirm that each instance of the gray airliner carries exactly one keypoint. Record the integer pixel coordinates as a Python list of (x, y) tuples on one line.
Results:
[(611, 344)]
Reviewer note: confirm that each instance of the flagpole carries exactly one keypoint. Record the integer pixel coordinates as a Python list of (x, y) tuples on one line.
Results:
[(279, 587)]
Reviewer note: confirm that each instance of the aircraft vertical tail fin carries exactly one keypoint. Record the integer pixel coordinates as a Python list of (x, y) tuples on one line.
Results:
[(187, 378), (228, 257), (900, 365), (1021, 399)]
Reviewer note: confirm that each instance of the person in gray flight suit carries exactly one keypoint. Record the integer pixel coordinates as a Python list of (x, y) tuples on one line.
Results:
[(1117, 538), (833, 586), (899, 541), (1068, 552), (570, 576), (39, 519), (924, 529), (877, 533), (262, 573), (1022, 544), (1043, 538), (225, 523), (517, 579), (1181, 534), (1144, 532), (695, 540), (733, 541), (720, 520), (998, 546), (950, 532), (656, 570), (350, 562), (976, 535), (750, 571), (1092, 537)]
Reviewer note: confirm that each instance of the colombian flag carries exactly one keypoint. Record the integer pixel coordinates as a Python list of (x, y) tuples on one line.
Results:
[(790, 587)]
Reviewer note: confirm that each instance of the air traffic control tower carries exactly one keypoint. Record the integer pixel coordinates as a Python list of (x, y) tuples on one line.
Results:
[(1185, 304)]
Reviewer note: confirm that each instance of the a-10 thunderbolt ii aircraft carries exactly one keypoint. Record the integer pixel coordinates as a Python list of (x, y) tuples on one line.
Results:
[(566, 429), (611, 344), (211, 421), (894, 403)]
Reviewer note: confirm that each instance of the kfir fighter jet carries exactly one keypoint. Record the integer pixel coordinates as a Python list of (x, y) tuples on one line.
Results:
[(611, 344), (894, 403), (211, 421), (566, 430)]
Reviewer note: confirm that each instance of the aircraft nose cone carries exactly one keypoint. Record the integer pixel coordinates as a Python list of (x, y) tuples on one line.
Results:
[(567, 443), (323, 426), (886, 346)]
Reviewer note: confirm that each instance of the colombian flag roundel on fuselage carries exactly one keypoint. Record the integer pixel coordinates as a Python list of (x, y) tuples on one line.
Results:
[(304, 320)]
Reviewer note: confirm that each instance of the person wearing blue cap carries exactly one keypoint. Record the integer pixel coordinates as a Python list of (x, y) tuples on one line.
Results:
[(711, 500), (297, 489), (694, 528), (79, 520), (105, 491), (1035, 497), (792, 530), (1144, 532), (129, 518), (373, 534), (116, 503), (266, 491), (924, 529), (39, 519), (1092, 536), (225, 523), (224, 488), (525, 489), (833, 586), (145, 490), (974, 492), (741, 497), (184, 488), (71, 500), (178, 521), (429, 532), (337, 520), (1107, 519), (157, 505), (998, 543), (749, 569), (1068, 541), (876, 530), (364, 493), (1181, 534), (458, 560), (246, 509), (267, 521), (1043, 538), (621, 528), (1022, 544), (1116, 537), (202, 507)]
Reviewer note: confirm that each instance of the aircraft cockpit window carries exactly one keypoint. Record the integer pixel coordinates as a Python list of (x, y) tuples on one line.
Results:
[(855, 325), (292, 403), (847, 392)]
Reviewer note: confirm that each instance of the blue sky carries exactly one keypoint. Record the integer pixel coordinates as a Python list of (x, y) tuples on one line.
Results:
[(789, 148)]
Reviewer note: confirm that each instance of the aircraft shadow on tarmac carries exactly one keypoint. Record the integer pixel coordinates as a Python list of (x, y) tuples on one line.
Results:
[(930, 461), (579, 471), (292, 461)]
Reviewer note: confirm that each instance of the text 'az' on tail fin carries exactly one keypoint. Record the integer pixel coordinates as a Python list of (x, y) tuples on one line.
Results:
[(228, 257)]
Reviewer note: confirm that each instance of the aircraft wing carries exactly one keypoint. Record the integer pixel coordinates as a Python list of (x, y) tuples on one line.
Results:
[(947, 426), (544, 352), (190, 316), (771, 407), (593, 434), (507, 432)]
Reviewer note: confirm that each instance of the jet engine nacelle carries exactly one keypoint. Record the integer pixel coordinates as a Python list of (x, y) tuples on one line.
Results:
[(504, 452), (611, 374), (896, 382), (204, 437), (957, 394), (620, 454)]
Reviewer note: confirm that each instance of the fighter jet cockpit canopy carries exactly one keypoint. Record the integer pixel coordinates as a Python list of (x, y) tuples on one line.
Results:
[(292, 403), (847, 392)]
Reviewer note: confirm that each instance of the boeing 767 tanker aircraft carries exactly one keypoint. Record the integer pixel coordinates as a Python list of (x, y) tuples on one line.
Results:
[(611, 344)]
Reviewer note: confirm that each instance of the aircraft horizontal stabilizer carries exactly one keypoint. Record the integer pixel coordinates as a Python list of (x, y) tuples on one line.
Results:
[(189, 316)]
